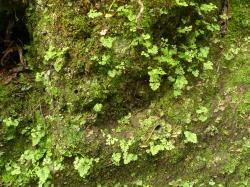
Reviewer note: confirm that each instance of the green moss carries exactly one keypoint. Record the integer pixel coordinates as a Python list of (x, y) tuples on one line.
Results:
[(215, 107)]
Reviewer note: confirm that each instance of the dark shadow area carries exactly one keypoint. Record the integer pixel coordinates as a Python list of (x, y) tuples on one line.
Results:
[(166, 26), (13, 34)]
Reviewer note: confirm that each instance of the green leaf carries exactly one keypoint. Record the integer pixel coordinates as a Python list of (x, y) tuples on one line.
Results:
[(202, 110), (116, 158), (9, 122), (127, 12), (94, 14), (16, 169), (37, 134), (181, 3), (185, 29), (153, 50), (143, 53), (113, 73), (43, 174), (83, 165), (146, 36), (107, 42), (208, 7), (196, 73), (155, 77), (32, 155), (167, 56), (180, 82), (160, 144), (202, 113), (54, 53), (190, 137), (155, 149), (58, 65), (105, 59), (208, 65), (129, 157), (98, 107), (50, 54), (203, 54)]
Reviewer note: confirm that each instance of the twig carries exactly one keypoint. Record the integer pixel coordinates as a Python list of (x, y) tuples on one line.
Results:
[(111, 5), (139, 15)]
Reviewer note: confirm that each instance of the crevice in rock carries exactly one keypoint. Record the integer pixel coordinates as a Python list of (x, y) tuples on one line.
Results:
[(14, 34)]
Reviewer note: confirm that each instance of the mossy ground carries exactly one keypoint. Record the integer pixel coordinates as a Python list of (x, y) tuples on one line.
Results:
[(221, 156)]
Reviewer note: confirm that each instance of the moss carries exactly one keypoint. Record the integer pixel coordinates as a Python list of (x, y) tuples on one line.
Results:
[(130, 110)]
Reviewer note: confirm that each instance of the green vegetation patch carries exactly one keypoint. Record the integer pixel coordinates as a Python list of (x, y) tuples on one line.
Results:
[(140, 93)]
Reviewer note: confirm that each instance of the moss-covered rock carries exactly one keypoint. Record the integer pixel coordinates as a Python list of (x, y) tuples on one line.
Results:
[(86, 113)]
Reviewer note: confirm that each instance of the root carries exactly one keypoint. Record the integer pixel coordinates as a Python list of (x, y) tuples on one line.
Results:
[(11, 48)]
